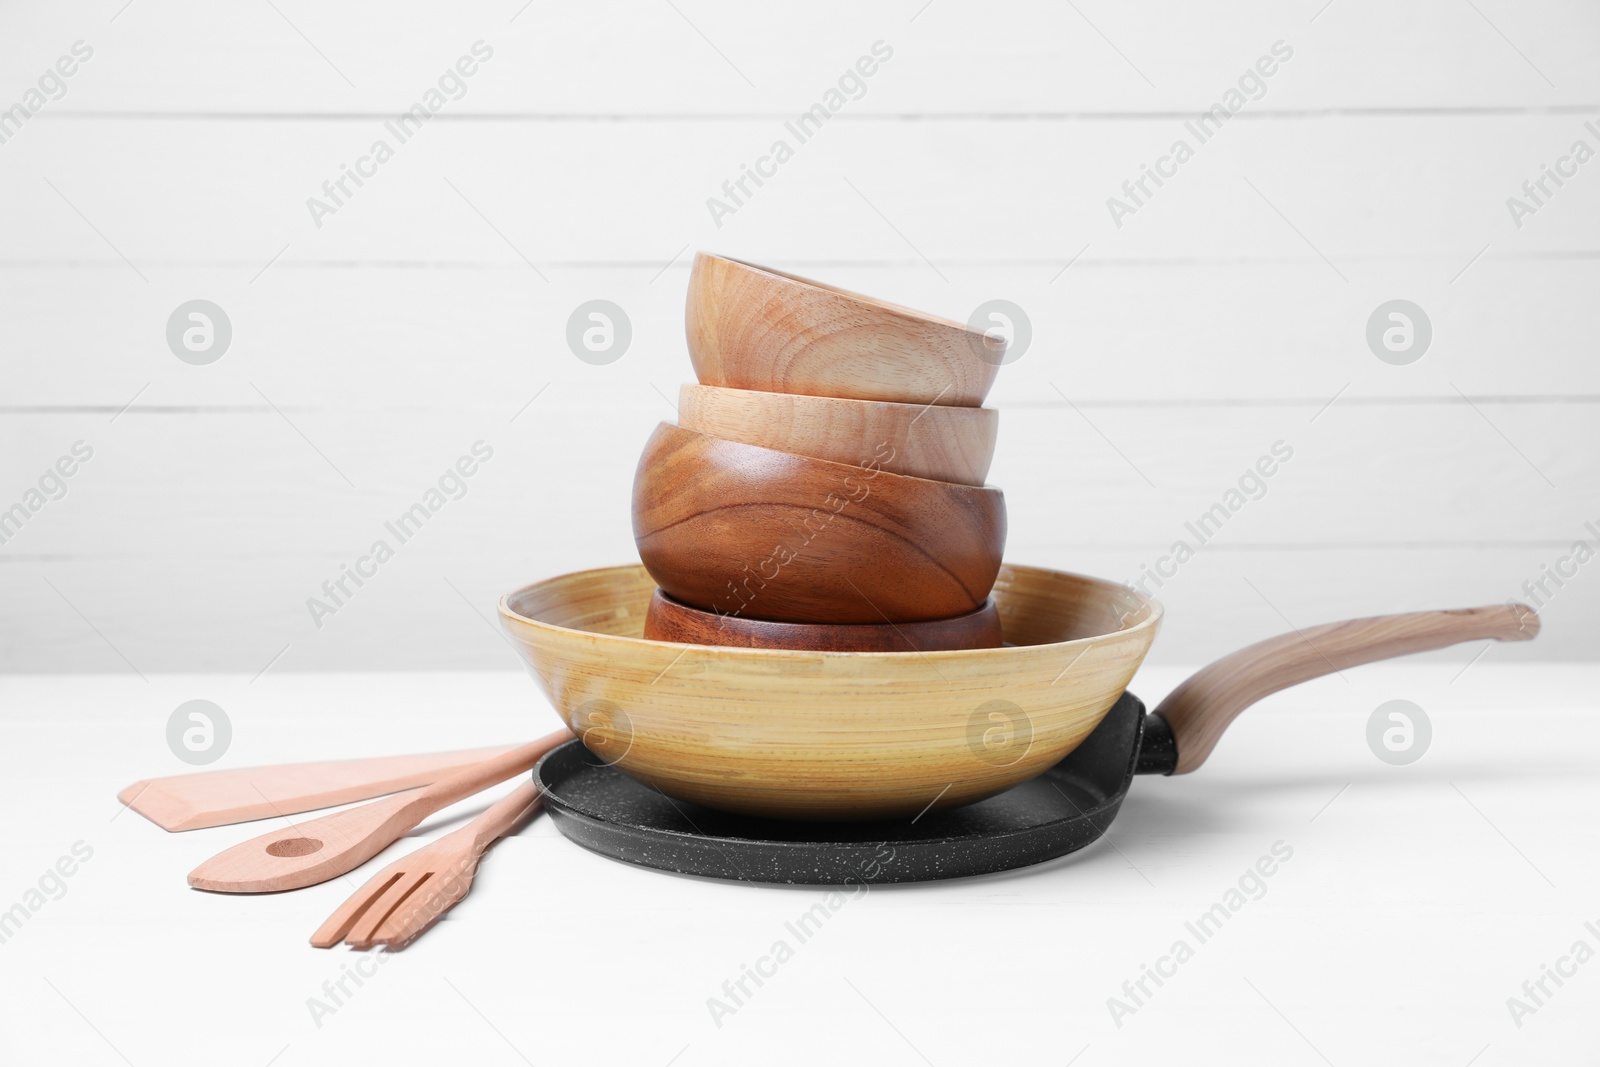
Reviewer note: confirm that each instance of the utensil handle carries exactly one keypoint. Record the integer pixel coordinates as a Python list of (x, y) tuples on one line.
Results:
[(465, 783), (504, 816), (1200, 709)]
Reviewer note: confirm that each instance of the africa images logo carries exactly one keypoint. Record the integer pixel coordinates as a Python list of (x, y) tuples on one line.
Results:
[(1251, 86), (451, 85)]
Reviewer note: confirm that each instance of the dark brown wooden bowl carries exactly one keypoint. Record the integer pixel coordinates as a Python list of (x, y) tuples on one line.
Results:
[(740, 530), (669, 620)]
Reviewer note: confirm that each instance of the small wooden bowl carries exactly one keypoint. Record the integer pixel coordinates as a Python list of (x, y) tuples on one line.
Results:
[(832, 735), (942, 443), (748, 531), (668, 620), (752, 327)]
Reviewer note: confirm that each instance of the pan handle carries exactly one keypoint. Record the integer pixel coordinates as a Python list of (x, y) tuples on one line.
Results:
[(1203, 706)]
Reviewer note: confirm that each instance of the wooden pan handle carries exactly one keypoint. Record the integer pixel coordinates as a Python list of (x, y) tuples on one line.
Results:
[(1203, 706)]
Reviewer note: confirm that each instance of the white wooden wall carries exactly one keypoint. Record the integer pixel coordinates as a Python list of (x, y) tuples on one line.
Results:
[(424, 315)]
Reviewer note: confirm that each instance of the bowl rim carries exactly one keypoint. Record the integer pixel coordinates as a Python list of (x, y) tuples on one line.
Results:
[(895, 310), (675, 604), (964, 411), (985, 490), (1153, 611)]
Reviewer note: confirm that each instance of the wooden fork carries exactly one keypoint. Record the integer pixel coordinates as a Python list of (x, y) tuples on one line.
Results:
[(410, 895)]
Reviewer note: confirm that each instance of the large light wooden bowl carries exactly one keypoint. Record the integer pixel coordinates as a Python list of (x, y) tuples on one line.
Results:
[(741, 530), (922, 440), (832, 735), (751, 327)]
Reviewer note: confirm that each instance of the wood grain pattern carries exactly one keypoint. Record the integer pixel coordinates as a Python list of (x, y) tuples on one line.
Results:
[(749, 531), (832, 735), (401, 902), (946, 444), (753, 327), (314, 851), (1201, 708), (669, 620), (220, 798)]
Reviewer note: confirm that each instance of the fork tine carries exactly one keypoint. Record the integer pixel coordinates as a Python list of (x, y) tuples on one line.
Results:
[(360, 934), (338, 924), (409, 896), (457, 865), (419, 912)]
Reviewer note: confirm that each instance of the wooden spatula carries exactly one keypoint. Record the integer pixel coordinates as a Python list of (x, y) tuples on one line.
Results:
[(218, 798), (314, 851)]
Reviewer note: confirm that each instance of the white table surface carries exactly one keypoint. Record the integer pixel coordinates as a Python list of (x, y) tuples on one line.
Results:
[(1416, 901)]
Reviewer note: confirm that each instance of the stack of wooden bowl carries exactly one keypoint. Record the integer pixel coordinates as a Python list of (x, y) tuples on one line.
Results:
[(824, 485)]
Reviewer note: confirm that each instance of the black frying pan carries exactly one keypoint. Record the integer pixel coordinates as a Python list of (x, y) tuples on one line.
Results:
[(1060, 811)]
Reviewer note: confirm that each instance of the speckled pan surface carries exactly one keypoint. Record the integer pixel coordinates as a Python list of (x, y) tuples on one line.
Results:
[(1062, 810)]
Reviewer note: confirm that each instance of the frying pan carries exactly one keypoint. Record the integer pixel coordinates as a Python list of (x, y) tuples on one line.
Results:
[(1060, 811)]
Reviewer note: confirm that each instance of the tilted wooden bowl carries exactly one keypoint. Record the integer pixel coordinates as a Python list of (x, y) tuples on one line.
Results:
[(832, 735), (668, 620), (749, 531), (921, 440), (752, 327)]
